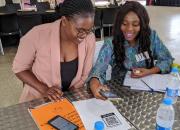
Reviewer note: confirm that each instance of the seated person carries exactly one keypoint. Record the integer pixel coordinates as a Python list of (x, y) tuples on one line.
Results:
[(57, 56), (134, 47)]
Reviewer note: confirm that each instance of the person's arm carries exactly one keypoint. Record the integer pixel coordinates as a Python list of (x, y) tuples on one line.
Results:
[(23, 62), (162, 56), (29, 78), (97, 76), (53, 93)]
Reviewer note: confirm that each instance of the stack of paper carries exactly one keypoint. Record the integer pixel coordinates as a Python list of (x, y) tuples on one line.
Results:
[(93, 110), (155, 82)]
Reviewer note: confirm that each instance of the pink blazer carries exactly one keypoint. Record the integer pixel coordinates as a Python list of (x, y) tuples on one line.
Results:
[(39, 51)]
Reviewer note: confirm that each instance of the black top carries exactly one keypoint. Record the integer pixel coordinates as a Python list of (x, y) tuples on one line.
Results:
[(68, 72)]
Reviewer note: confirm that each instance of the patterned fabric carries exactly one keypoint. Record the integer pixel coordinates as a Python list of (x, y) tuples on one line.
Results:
[(161, 55)]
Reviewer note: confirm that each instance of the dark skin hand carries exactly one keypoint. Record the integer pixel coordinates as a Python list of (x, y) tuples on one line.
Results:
[(141, 72), (53, 93), (96, 86)]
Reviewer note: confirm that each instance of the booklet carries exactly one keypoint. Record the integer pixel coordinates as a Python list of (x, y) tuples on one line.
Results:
[(46, 112)]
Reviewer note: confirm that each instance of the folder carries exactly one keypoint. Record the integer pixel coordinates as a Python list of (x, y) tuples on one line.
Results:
[(43, 113)]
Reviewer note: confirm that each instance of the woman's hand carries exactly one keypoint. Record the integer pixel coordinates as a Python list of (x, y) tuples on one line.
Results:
[(140, 72), (53, 93), (96, 90), (95, 87)]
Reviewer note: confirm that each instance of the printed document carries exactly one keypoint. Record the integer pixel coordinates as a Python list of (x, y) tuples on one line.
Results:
[(93, 110)]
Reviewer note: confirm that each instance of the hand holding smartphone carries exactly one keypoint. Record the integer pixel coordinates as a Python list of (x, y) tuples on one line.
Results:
[(107, 94)]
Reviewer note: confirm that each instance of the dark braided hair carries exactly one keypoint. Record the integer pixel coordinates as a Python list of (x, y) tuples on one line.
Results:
[(143, 36), (70, 8)]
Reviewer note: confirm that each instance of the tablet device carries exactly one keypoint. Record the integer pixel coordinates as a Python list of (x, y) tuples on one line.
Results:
[(61, 123)]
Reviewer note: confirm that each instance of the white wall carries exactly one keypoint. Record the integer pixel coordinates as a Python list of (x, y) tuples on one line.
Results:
[(16, 1), (2, 2)]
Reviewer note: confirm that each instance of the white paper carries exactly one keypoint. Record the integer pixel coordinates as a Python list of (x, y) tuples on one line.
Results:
[(91, 110), (158, 82), (134, 83)]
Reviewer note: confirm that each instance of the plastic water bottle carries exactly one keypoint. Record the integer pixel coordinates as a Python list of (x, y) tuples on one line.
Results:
[(172, 90), (99, 125), (165, 115)]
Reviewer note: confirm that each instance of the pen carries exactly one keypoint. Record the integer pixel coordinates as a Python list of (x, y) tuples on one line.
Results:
[(147, 85)]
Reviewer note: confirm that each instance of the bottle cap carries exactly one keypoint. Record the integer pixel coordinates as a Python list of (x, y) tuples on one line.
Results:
[(167, 101), (175, 69), (99, 125)]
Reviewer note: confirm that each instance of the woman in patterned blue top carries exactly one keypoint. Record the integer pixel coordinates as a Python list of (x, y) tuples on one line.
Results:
[(134, 46)]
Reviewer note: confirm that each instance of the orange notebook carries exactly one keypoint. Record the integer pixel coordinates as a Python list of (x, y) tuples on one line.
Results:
[(42, 114)]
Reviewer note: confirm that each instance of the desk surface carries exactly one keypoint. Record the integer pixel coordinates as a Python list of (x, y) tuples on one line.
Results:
[(138, 107)]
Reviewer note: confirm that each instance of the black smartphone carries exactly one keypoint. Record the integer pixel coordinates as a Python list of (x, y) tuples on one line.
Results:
[(108, 94), (61, 123)]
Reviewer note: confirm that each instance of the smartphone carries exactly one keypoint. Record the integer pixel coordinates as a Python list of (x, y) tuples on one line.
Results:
[(61, 123), (108, 94)]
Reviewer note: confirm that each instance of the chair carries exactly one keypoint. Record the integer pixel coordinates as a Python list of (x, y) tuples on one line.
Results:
[(28, 21), (9, 8), (42, 6), (108, 17), (168, 2), (50, 17), (12, 7), (1, 48), (33, 2), (8, 27), (9, 2), (98, 22)]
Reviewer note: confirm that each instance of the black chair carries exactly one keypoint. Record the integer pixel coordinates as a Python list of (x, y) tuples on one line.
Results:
[(108, 17), (50, 17), (98, 22), (28, 21), (168, 3), (9, 8), (8, 27), (33, 2), (9, 2), (42, 6), (12, 7)]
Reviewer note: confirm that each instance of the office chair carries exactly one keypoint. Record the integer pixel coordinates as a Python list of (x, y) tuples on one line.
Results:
[(33, 2), (8, 27), (98, 22), (28, 21), (42, 6), (108, 17), (9, 2)]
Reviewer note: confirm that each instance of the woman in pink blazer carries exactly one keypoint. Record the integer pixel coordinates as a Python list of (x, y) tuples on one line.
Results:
[(55, 57)]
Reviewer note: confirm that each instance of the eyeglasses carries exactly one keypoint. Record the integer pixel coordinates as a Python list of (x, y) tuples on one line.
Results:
[(81, 32)]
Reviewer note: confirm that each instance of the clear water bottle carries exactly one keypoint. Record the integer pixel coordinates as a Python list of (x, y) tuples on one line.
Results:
[(165, 115), (172, 90), (99, 125)]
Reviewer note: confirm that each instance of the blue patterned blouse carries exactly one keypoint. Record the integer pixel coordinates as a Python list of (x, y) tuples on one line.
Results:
[(161, 55)]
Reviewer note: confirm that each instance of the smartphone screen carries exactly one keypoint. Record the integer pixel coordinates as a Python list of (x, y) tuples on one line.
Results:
[(60, 123), (108, 94)]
